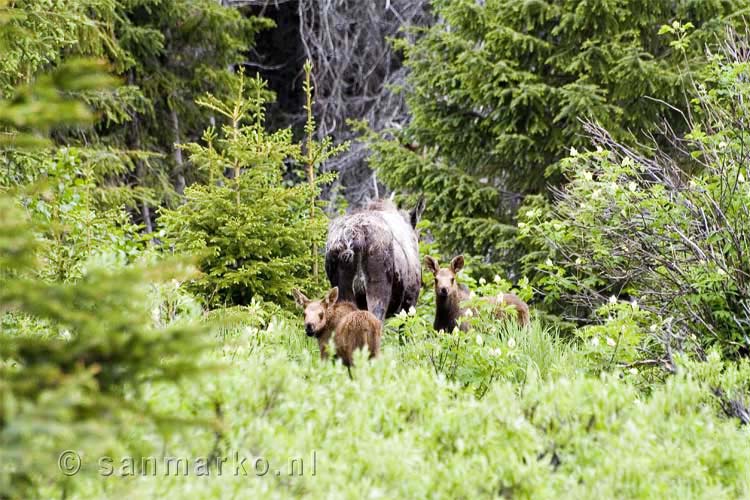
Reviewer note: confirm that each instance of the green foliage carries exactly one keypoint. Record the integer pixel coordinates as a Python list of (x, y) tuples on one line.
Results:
[(37, 33), (73, 224), (179, 49), (47, 102), (101, 342), (253, 231), (516, 80), (167, 51), (636, 226), (75, 357), (78, 346), (400, 429)]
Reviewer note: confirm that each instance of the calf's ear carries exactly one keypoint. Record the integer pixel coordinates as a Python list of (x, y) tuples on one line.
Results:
[(457, 263), (431, 264), (300, 298)]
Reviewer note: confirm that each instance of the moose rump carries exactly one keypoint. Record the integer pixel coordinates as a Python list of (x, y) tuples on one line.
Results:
[(373, 257)]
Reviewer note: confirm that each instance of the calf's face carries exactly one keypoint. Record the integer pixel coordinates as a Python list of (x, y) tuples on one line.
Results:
[(445, 277), (316, 311)]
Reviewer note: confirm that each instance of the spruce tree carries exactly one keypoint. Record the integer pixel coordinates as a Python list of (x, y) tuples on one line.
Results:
[(74, 353), (498, 91), (256, 234)]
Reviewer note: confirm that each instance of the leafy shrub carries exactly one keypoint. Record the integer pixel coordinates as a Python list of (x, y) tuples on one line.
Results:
[(399, 429), (642, 227)]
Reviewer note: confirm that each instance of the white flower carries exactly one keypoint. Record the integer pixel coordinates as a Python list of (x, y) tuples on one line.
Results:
[(495, 352), (460, 444), (652, 328), (632, 186), (611, 342), (595, 341), (480, 340), (634, 371), (548, 261), (634, 305), (511, 343), (412, 311), (573, 152), (468, 313), (613, 300), (482, 281), (401, 314), (496, 279)]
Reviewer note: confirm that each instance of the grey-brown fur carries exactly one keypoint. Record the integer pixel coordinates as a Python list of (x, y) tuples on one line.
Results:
[(372, 256)]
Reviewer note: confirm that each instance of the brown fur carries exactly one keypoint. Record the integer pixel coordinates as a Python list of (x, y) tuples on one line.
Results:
[(504, 300), (449, 295), (354, 329)]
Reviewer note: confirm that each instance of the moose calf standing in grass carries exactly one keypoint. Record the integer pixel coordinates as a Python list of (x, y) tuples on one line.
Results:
[(449, 295), (354, 328)]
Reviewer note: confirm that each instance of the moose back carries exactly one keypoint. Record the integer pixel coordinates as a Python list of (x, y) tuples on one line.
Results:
[(373, 257)]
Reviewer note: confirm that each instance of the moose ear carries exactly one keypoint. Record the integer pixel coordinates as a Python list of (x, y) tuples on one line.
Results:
[(300, 298), (332, 296), (431, 264), (416, 213), (457, 263)]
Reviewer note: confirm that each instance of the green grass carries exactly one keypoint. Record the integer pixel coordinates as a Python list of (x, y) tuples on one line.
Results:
[(534, 421)]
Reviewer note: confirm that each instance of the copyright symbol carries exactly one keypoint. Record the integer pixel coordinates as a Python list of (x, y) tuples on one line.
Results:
[(69, 462)]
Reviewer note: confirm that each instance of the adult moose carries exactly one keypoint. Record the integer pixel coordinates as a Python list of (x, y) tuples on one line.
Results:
[(372, 256)]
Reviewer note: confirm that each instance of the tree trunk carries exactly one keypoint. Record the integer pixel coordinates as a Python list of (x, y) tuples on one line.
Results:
[(135, 143), (179, 170)]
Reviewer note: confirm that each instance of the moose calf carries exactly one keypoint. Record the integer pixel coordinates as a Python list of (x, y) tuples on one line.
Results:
[(354, 328), (449, 294)]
